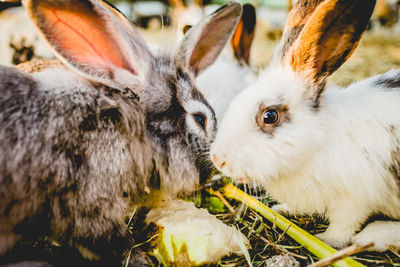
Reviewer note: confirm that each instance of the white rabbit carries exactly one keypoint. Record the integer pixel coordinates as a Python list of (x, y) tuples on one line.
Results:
[(231, 72), (115, 126), (183, 14), (335, 153)]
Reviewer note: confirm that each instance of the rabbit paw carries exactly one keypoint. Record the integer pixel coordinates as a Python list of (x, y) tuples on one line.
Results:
[(282, 209), (334, 239), (383, 235)]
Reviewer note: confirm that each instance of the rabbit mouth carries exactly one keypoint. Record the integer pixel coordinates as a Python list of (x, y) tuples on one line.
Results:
[(155, 179), (205, 168)]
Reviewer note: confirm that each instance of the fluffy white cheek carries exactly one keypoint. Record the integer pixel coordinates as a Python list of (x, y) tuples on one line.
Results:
[(241, 159)]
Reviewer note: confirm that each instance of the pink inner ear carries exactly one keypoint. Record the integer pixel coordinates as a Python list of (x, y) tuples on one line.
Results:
[(84, 38)]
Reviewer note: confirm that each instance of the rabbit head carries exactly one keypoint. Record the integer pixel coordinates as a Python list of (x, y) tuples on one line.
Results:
[(99, 43), (271, 127), (184, 15)]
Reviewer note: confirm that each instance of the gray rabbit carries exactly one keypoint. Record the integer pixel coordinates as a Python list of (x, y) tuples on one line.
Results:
[(114, 127)]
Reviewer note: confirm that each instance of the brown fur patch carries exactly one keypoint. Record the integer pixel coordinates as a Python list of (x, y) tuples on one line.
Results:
[(301, 12), (329, 37), (394, 167), (289, 38), (39, 65), (297, 18), (176, 3), (244, 34), (212, 36), (283, 116)]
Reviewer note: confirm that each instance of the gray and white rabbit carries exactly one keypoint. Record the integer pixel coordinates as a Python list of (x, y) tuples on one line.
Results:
[(113, 127), (318, 149), (232, 71)]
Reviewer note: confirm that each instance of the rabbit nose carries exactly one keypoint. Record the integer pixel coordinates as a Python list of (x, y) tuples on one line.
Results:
[(219, 163)]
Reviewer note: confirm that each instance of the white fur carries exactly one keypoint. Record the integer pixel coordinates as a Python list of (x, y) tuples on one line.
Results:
[(335, 154), (332, 161), (49, 79), (384, 235), (223, 80), (182, 16)]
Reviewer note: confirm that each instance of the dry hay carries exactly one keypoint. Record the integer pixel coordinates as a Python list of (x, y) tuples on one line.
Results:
[(267, 240)]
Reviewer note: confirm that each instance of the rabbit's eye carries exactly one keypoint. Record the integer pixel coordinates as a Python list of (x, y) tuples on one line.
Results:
[(270, 116), (201, 120), (186, 28)]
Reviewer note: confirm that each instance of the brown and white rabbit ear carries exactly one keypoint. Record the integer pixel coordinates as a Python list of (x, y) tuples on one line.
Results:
[(203, 43), (295, 22), (199, 3), (93, 38), (244, 34), (328, 38), (177, 3)]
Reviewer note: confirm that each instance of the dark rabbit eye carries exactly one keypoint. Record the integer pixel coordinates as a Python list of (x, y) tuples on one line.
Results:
[(201, 120), (270, 116), (186, 28)]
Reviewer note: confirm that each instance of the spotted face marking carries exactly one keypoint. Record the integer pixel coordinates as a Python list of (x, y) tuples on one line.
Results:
[(268, 118)]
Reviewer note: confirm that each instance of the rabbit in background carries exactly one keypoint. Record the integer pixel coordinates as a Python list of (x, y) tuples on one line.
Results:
[(113, 126), (184, 15), (317, 149), (232, 71)]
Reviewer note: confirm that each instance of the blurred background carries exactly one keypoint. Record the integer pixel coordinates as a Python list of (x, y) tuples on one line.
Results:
[(163, 22)]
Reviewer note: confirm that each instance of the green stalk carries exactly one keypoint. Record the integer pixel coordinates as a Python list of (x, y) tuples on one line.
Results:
[(308, 241)]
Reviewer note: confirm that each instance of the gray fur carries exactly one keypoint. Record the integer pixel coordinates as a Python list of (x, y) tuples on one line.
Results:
[(212, 39), (67, 159), (75, 161), (394, 167), (78, 154), (389, 81)]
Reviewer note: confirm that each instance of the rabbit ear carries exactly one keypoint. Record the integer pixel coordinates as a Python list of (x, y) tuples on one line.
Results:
[(204, 42), (328, 38), (93, 38), (200, 3), (244, 34), (176, 3), (297, 18)]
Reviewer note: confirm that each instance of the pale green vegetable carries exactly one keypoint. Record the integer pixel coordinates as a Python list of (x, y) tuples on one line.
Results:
[(191, 236), (308, 241)]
